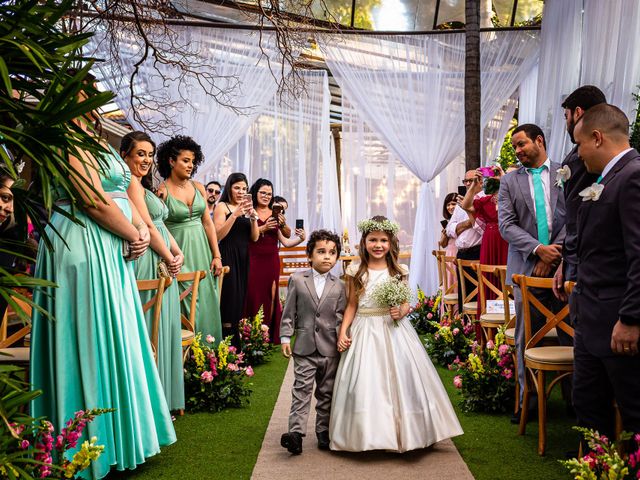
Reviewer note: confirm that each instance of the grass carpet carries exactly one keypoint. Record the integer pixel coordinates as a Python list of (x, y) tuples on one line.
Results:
[(221, 445), (492, 449)]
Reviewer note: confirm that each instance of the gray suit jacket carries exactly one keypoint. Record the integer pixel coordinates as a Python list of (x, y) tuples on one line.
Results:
[(315, 321), (517, 219)]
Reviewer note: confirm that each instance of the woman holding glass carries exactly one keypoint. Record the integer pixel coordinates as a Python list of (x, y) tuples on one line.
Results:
[(236, 225)]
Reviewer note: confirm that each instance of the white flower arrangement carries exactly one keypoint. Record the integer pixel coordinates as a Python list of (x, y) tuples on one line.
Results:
[(592, 193), (562, 175), (386, 225), (392, 292)]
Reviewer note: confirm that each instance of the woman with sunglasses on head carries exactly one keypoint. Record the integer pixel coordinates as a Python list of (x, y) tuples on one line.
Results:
[(236, 226)]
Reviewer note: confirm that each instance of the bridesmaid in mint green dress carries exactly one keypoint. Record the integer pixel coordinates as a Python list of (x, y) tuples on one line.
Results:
[(190, 224), (138, 150), (95, 351)]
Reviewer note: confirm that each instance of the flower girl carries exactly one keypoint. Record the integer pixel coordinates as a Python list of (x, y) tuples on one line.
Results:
[(387, 395)]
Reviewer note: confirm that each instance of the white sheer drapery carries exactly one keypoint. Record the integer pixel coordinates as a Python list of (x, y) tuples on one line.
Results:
[(237, 61), (410, 92), (528, 93), (290, 144), (585, 42)]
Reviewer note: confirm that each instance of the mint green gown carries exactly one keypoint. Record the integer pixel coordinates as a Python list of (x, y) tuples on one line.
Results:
[(169, 332), (186, 227), (95, 352)]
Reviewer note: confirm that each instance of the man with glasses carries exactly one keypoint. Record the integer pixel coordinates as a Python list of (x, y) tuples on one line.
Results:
[(467, 232), (213, 195)]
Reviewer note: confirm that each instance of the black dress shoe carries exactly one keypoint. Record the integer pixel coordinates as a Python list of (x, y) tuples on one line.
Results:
[(533, 415), (323, 440), (292, 441)]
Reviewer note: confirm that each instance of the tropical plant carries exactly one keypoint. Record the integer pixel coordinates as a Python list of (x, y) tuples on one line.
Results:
[(215, 378), (507, 157), (42, 72)]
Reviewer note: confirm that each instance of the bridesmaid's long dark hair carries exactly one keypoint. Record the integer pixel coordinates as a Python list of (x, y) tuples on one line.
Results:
[(232, 180), (128, 143), (257, 185)]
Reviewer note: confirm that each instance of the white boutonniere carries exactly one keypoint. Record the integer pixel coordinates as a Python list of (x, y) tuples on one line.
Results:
[(592, 193), (562, 175)]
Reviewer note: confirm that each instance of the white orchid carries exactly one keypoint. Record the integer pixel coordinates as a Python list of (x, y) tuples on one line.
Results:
[(562, 175), (592, 193)]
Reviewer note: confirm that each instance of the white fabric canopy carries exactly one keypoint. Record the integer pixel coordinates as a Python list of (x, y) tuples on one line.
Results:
[(585, 42), (410, 92), (245, 80), (290, 144)]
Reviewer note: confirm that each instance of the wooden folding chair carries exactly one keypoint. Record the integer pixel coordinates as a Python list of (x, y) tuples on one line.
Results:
[(189, 324), (159, 285), (293, 259), (466, 269), (13, 348), (490, 322), (542, 359), (449, 287)]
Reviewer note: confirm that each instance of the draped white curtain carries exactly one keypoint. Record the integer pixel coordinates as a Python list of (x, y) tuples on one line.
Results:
[(235, 65), (585, 42), (528, 93), (290, 144), (410, 92)]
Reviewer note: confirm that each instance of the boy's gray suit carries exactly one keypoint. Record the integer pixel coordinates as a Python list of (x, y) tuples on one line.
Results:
[(316, 323)]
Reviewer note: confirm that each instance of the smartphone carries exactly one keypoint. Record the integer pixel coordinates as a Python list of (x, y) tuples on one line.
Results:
[(276, 210), (248, 198), (462, 190), (444, 223), (299, 224)]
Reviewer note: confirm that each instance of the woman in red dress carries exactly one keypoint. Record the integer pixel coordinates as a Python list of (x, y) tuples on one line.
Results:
[(264, 262), (493, 249)]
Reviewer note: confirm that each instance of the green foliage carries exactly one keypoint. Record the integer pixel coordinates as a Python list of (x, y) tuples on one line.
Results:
[(635, 126), (449, 340), (42, 72), (214, 378), (425, 312), (254, 339), (507, 157), (486, 379)]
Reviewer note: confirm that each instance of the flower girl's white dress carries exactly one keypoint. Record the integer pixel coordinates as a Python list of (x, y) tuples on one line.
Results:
[(387, 394)]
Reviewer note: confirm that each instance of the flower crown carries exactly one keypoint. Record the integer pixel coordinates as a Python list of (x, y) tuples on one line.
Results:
[(386, 225)]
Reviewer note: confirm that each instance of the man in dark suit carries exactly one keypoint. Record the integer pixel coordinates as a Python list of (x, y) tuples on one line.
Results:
[(606, 299), (574, 178), (531, 220)]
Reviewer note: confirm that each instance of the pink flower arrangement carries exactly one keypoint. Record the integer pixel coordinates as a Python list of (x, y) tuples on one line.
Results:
[(455, 331), (210, 339), (249, 371), (206, 376)]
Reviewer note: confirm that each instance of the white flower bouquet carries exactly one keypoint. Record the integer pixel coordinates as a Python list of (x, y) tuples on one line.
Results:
[(392, 292)]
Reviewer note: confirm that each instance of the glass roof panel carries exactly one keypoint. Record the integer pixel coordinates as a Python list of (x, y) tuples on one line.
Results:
[(503, 10), (451, 11)]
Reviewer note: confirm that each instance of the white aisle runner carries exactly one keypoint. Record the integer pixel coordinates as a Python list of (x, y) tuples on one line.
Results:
[(439, 462)]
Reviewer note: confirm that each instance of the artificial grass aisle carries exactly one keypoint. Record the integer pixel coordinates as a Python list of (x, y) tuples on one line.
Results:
[(493, 450), (221, 445)]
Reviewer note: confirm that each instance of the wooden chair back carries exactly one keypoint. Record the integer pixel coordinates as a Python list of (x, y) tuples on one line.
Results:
[(507, 294), (159, 285), (488, 280), (449, 277), (438, 254), (553, 319), (17, 308), (225, 270), (292, 259), (466, 268), (193, 277)]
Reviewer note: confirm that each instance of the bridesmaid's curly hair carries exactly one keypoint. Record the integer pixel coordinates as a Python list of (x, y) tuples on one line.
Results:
[(170, 150)]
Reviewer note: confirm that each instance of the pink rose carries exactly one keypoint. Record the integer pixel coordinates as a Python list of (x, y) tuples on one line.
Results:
[(206, 376), (210, 338), (503, 349), (249, 371), (429, 316), (264, 328), (490, 345), (457, 381), (232, 349), (24, 444), (232, 367), (456, 331)]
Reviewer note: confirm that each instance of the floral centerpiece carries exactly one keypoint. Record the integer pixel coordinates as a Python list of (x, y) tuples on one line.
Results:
[(214, 378), (254, 339), (425, 312), (449, 340), (604, 460), (392, 292), (30, 448), (486, 378)]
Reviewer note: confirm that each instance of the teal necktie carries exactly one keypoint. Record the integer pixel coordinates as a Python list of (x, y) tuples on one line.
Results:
[(541, 208), (599, 179)]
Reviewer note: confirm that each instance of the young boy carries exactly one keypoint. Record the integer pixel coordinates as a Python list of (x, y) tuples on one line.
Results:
[(313, 310)]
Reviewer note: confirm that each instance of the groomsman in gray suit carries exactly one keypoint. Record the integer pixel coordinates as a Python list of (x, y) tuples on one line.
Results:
[(531, 220), (313, 311)]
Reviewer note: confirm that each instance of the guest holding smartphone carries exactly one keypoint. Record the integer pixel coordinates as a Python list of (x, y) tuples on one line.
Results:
[(448, 243), (264, 262), (299, 235), (236, 226)]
